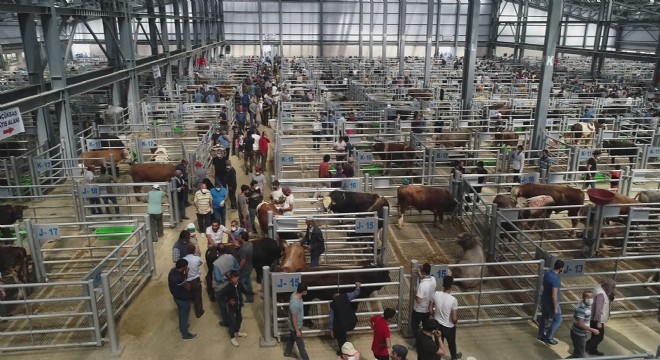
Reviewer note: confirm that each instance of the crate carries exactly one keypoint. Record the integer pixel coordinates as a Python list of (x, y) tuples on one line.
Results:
[(114, 233)]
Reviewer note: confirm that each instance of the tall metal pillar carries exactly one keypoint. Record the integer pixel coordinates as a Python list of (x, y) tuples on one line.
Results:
[(437, 29), (321, 42), (457, 26), (261, 31), (371, 29), (57, 67), (605, 36), (189, 63), (470, 57), (128, 49), (35, 67), (494, 26), (547, 67), (203, 28), (360, 28), (194, 8), (164, 40), (619, 37), (429, 36), (522, 36), (402, 35), (564, 33), (384, 48), (177, 33), (656, 72), (153, 29), (602, 14), (281, 29)]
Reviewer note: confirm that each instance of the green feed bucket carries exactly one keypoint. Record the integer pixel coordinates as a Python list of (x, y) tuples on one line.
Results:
[(373, 169), (490, 162), (600, 178), (114, 233), (177, 129)]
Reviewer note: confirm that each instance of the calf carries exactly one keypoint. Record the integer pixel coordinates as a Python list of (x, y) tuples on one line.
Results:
[(14, 260), (9, 214), (421, 198), (562, 196), (473, 253)]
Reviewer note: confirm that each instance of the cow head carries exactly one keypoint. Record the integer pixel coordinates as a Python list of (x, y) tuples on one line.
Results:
[(326, 203), (467, 241), (17, 211), (125, 154), (515, 192)]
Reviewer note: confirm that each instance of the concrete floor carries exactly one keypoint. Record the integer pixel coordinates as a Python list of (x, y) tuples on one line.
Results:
[(148, 329)]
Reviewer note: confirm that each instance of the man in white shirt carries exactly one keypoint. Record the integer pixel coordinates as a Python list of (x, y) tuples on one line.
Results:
[(423, 295), (215, 234), (444, 308), (193, 278), (276, 196), (340, 148), (517, 162), (287, 207)]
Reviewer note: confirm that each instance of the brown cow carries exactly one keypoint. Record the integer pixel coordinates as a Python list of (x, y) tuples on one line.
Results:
[(99, 158), (262, 217), (453, 139), (583, 132), (151, 172), (294, 258), (14, 260), (562, 196), (473, 253), (395, 154), (421, 198), (617, 199), (503, 136)]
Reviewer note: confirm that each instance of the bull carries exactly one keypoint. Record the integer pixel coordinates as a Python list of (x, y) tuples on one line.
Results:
[(562, 196), (621, 148), (453, 139), (583, 132), (648, 196), (503, 136), (151, 173), (266, 252), (473, 253), (9, 214), (341, 202), (437, 200), (398, 154), (99, 158), (262, 218)]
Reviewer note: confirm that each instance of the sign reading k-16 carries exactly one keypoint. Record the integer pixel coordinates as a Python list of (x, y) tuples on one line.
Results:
[(11, 122)]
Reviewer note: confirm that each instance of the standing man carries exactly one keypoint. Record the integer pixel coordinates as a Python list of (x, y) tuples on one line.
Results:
[(381, 327), (221, 268), (203, 202), (219, 196), (107, 191), (220, 165), (592, 167), (550, 303), (242, 202), (255, 197), (231, 295), (580, 329), (264, 143), (287, 207), (180, 247), (517, 163), (193, 278), (182, 194), (600, 313), (245, 252), (545, 162), (342, 316), (183, 167), (180, 290), (248, 152), (215, 234), (230, 181), (276, 195), (155, 211), (423, 295), (200, 174), (444, 308), (296, 314), (93, 200), (313, 241)]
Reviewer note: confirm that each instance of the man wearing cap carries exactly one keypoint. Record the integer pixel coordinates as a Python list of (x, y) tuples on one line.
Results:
[(313, 240), (180, 290), (155, 211), (399, 352), (203, 202), (192, 230), (231, 295), (348, 352), (287, 207), (600, 313)]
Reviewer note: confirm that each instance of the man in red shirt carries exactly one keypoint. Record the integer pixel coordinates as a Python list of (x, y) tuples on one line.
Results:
[(381, 342), (264, 142), (324, 167)]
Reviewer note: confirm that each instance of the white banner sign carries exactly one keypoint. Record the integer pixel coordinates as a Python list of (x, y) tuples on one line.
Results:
[(11, 122), (156, 70)]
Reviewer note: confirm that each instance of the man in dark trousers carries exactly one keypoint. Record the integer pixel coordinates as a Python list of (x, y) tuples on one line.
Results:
[(313, 241), (180, 290), (342, 315), (230, 182), (231, 294), (220, 166)]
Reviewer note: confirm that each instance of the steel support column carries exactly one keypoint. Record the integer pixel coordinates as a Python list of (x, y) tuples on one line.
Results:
[(564, 34), (281, 29), (187, 63), (457, 26), (547, 67), (195, 22), (153, 30), (261, 29), (470, 57), (437, 29), (522, 36), (371, 29), (602, 13), (494, 26), (429, 42), (360, 28), (164, 40), (605, 36), (656, 73), (321, 42), (384, 48), (401, 48), (128, 49)]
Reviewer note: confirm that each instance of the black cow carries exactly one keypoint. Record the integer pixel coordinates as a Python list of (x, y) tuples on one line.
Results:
[(614, 149), (14, 259), (110, 141), (350, 202), (9, 214), (266, 252)]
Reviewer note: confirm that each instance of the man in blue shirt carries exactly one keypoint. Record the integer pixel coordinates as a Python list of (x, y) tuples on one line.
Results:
[(342, 315), (295, 320), (199, 96), (180, 290), (550, 308), (240, 118), (155, 211), (587, 117), (222, 266), (220, 195)]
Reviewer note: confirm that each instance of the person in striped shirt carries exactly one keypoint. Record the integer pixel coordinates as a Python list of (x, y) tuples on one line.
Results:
[(580, 328)]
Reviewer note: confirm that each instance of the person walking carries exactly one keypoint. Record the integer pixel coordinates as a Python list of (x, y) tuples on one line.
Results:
[(88, 178), (194, 278), (242, 202), (580, 328), (107, 192), (231, 295), (200, 174), (203, 202), (295, 320), (230, 182), (517, 163), (259, 177), (180, 290), (591, 169), (220, 165), (245, 251), (219, 196), (254, 197), (545, 162), (155, 211), (313, 240), (429, 342), (423, 294), (444, 308), (180, 247), (550, 309), (264, 143), (182, 194), (317, 128), (342, 317), (222, 266), (600, 313), (248, 152), (381, 341)]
